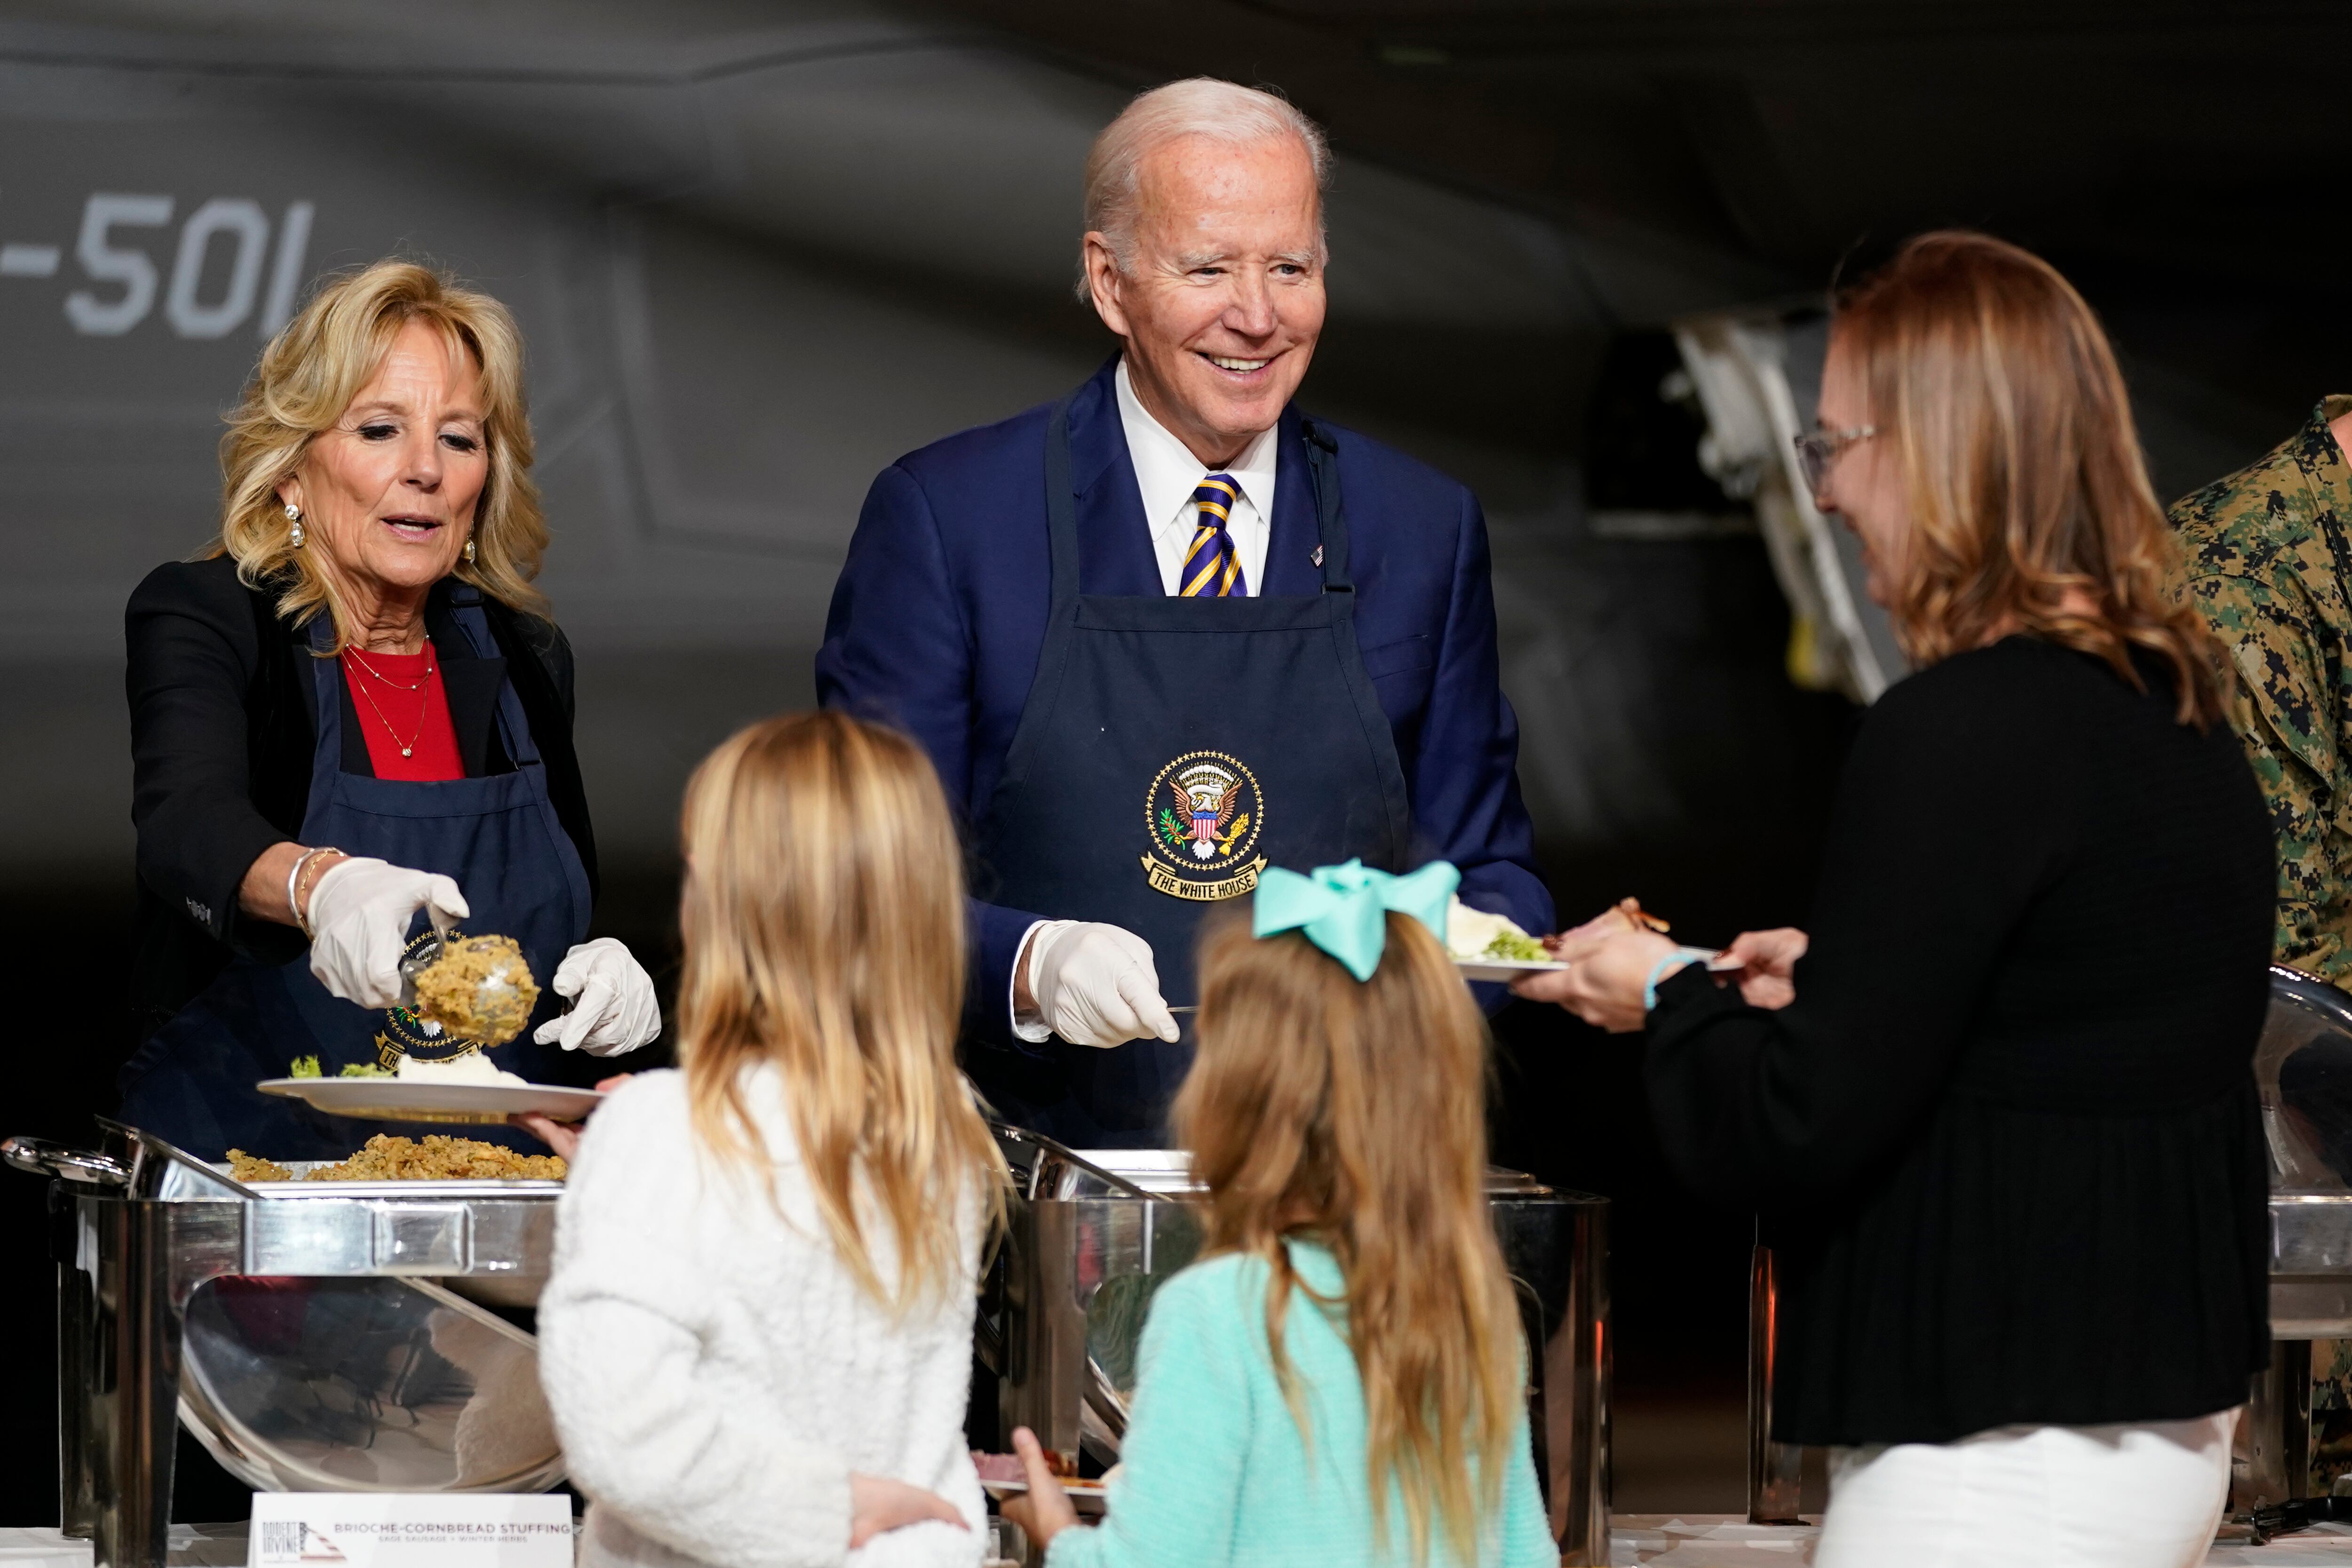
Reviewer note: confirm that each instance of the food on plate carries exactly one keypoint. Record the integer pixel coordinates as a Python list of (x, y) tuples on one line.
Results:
[(308, 1066), (474, 1067), (998, 1467), (481, 988), (1472, 935), (1516, 947), (245, 1167), (391, 1158), (1006, 1469)]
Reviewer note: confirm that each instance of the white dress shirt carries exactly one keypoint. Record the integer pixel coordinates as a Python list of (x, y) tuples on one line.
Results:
[(1166, 474)]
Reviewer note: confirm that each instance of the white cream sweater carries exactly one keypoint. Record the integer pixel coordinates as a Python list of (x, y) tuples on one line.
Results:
[(716, 1373)]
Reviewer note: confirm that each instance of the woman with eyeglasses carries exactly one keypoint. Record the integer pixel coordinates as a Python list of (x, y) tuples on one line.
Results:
[(1996, 1107)]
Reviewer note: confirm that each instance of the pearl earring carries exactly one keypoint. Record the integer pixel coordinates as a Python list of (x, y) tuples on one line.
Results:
[(294, 516), (470, 552)]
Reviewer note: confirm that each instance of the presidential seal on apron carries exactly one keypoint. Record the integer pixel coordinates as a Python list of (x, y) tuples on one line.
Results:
[(1203, 815)]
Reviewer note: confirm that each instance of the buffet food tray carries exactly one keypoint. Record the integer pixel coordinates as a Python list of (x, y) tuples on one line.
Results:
[(444, 1192), (447, 1191)]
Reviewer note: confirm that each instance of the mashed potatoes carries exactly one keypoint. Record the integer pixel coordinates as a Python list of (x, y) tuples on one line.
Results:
[(474, 1067)]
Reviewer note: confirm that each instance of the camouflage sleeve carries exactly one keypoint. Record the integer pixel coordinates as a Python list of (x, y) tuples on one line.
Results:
[(2280, 708)]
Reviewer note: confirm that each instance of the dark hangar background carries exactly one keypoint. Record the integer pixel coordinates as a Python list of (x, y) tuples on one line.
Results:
[(759, 249)]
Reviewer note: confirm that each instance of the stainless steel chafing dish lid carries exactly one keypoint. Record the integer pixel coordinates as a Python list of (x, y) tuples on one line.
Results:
[(2303, 1067)]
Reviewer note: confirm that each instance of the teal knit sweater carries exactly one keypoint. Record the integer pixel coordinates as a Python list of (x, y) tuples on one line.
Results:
[(1214, 1470)]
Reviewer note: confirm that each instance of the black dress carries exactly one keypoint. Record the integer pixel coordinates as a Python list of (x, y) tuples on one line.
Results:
[(2005, 1142)]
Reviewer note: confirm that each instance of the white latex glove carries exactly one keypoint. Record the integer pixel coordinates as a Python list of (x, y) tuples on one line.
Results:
[(360, 912), (1096, 985), (615, 1010)]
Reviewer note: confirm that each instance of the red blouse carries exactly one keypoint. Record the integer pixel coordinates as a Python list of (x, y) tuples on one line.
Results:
[(404, 714)]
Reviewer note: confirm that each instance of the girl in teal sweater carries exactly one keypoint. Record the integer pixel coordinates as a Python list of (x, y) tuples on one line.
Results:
[(1339, 1380)]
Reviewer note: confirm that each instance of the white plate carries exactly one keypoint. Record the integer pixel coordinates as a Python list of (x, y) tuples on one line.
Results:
[(397, 1100), (1089, 1497), (1508, 969), (1505, 968)]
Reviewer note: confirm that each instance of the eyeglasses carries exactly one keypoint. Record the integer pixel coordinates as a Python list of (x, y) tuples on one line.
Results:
[(1817, 451)]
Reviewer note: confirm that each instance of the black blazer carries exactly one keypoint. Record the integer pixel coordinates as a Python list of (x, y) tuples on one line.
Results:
[(223, 723), (2006, 1141)]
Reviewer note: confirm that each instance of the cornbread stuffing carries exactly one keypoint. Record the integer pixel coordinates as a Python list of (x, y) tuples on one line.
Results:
[(387, 1157)]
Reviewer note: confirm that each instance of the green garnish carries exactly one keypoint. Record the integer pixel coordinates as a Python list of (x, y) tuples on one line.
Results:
[(1511, 947), (308, 1066)]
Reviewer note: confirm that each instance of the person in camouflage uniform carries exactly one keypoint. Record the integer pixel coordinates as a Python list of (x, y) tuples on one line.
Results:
[(2267, 554)]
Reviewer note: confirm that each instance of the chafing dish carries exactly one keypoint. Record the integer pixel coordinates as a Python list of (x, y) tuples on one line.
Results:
[(2303, 1067), (1093, 1233), (312, 1336)]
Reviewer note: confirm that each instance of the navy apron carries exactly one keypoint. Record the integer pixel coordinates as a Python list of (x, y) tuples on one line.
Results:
[(498, 836), (1169, 750)]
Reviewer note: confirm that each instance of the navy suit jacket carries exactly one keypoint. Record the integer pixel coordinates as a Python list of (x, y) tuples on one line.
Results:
[(940, 609)]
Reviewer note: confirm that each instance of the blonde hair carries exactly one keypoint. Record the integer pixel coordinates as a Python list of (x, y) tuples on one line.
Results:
[(824, 936), (1204, 106), (305, 381), (1355, 1115), (1992, 380)]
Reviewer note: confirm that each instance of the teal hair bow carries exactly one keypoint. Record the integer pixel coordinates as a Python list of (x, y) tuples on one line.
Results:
[(1344, 909)]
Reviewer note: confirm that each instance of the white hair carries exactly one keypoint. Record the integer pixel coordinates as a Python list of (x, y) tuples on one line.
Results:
[(1221, 110)]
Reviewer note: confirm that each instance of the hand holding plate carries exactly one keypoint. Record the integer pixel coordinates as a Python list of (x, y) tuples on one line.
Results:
[(1044, 1510)]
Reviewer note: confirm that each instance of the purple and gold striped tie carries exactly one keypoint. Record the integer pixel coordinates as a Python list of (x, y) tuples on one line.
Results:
[(1213, 567)]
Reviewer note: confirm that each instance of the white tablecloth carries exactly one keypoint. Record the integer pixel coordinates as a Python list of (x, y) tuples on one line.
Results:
[(192, 1545)]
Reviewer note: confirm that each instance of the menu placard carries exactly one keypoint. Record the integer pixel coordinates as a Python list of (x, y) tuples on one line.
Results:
[(398, 1529)]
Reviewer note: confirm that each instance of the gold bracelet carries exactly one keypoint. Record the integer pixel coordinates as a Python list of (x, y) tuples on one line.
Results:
[(303, 872)]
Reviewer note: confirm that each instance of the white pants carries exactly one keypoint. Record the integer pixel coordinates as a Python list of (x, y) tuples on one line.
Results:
[(2132, 1495)]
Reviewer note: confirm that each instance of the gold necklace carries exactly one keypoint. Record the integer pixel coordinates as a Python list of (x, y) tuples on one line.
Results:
[(423, 704), (380, 675)]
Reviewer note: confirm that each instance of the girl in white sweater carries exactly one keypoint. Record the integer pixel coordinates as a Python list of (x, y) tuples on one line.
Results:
[(757, 1342)]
